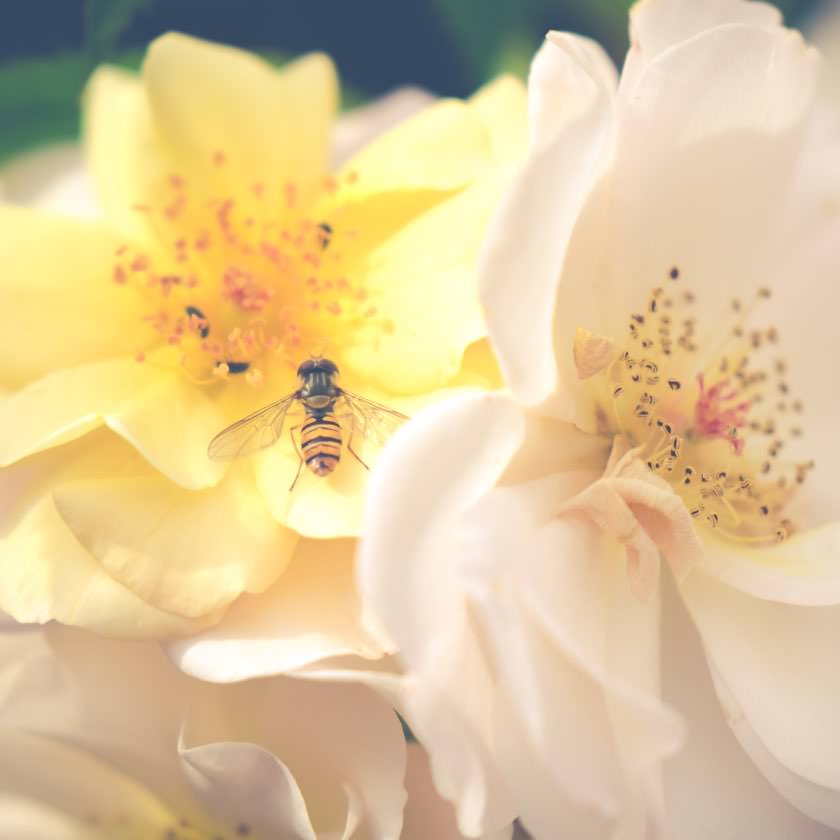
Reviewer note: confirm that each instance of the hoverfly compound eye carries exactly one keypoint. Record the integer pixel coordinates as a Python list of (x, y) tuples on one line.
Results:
[(328, 366), (306, 368)]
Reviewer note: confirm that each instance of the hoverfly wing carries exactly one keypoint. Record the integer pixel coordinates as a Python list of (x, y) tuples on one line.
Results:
[(252, 433), (372, 420)]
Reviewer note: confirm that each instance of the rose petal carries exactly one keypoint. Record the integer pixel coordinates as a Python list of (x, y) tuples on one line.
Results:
[(209, 101), (312, 612), (186, 552), (570, 94), (712, 787), (40, 288), (779, 663)]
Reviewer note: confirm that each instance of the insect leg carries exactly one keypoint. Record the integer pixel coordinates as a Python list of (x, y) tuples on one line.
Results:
[(350, 446), (292, 430)]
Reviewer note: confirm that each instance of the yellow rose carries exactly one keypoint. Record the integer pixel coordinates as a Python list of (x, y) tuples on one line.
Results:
[(228, 254)]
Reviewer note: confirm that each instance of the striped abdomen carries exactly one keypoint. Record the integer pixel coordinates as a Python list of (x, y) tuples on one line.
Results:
[(320, 442)]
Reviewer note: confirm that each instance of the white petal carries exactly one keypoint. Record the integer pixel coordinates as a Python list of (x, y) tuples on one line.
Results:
[(779, 663), (426, 815), (53, 178), (234, 780), (342, 744), (357, 127), (712, 787), (570, 100), (706, 150), (656, 25), (804, 569), (312, 612), (435, 468)]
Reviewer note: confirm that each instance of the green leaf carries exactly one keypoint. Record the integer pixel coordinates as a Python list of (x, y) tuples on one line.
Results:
[(105, 21)]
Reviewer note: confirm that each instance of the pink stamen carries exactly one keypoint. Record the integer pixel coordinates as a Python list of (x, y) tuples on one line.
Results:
[(715, 416)]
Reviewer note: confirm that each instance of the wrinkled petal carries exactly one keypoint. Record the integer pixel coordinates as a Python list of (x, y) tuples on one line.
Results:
[(46, 573), (570, 100), (712, 787), (46, 292), (778, 667), (52, 178), (140, 402), (311, 613), (186, 552), (271, 126)]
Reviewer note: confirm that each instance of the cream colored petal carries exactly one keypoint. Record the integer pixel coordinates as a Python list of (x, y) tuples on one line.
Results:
[(311, 613), (109, 713), (24, 818), (803, 570), (426, 814), (58, 303), (234, 780), (437, 466), (126, 164), (359, 126), (52, 178), (166, 418), (342, 744), (712, 787), (656, 25), (186, 552), (46, 573), (272, 127), (570, 102), (710, 119), (779, 664), (96, 797)]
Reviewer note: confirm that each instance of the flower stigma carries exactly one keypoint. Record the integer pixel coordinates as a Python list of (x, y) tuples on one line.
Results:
[(710, 416), (237, 283)]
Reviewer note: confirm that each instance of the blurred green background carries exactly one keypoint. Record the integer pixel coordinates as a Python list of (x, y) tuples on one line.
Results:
[(48, 47)]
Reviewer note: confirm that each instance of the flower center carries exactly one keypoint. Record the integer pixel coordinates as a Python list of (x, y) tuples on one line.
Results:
[(711, 415), (239, 282)]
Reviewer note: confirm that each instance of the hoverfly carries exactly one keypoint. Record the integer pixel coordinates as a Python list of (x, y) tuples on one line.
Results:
[(324, 407)]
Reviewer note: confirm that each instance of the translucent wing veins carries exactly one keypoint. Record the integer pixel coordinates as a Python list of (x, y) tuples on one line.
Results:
[(252, 433)]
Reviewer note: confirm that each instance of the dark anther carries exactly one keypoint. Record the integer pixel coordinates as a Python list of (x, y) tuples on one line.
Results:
[(204, 327), (674, 384), (236, 367), (674, 273), (325, 235)]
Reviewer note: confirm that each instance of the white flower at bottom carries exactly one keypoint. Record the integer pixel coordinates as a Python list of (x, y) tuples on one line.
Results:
[(107, 739), (658, 285)]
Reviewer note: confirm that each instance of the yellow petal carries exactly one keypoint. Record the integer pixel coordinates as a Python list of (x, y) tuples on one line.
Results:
[(167, 419), (187, 552), (46, 574), (121, 147), (422, 282), (58, 302), (502, 106), (441, 148), (270, 126)]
